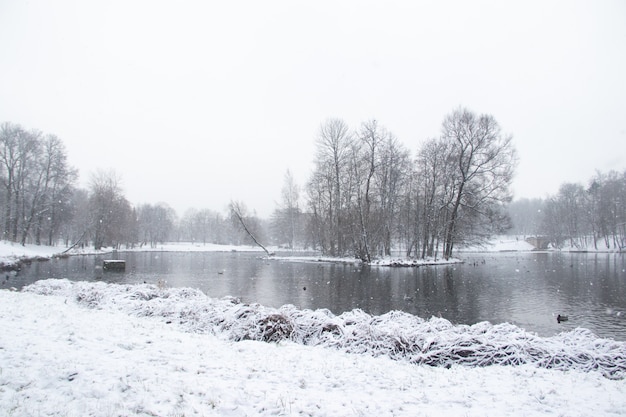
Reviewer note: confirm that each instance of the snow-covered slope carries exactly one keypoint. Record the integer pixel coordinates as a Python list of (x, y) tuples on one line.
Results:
[(101, 349)]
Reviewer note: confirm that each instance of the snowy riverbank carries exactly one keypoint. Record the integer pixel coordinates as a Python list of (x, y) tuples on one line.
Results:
[(12, 254), (102, 349)]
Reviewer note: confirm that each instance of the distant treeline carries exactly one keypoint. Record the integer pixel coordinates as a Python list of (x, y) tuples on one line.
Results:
[(366, 196), (41, 204), (578, 216)]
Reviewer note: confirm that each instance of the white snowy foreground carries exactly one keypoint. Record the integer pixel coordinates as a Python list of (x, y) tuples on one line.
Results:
[(95, 349)]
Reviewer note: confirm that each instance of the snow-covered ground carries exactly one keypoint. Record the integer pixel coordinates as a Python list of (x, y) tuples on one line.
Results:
[(179, 247), (501, 243), (95, 349), (12, 253), (507, 243)]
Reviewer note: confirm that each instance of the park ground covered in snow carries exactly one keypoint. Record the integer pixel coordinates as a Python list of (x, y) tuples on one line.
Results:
[(97, 349)]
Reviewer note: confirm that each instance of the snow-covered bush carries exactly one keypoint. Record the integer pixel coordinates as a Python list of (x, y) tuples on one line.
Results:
[(398, 335)]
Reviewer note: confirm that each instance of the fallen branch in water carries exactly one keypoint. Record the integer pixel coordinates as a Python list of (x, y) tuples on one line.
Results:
[(237, 210)]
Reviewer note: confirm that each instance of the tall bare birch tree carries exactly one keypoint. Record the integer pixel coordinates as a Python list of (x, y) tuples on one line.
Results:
[(327, 184)]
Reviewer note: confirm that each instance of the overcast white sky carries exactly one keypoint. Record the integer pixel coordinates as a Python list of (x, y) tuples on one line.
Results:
[(196, 103)]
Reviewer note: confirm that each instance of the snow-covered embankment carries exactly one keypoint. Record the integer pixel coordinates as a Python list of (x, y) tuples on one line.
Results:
[(101, 349)]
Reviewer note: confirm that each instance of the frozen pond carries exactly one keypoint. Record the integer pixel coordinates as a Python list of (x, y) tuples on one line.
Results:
[(526, 289)]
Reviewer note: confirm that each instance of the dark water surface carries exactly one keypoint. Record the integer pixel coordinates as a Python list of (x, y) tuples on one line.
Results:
[(526, 289)]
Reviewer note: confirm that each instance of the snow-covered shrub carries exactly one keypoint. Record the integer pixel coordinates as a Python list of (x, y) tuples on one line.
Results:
[(274, 328), (398, 335)]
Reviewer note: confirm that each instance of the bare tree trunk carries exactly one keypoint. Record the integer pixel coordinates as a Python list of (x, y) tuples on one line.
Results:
[(76, 243), (236, 210)]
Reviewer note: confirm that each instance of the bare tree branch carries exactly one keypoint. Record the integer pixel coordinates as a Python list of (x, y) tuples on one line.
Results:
[(236, 209)]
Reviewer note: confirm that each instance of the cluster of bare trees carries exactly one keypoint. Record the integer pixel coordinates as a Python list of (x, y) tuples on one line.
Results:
[(36, 184), (464, 176), (102, 216), (367, 195), (111, 221), (155, 223), (355, 189), (42, 205), (111, 218), (582, 217), (203, 226), (207, 226)]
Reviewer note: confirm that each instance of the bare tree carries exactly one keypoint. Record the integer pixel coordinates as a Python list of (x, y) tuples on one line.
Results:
[(365, 165), (49, 191), (569, 213), (407, 221), (238, 210), (287, 218), (36, 183), (19, 152), (111, 213), (327, 185), (392, 181), (484, 160), (432, 177)]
